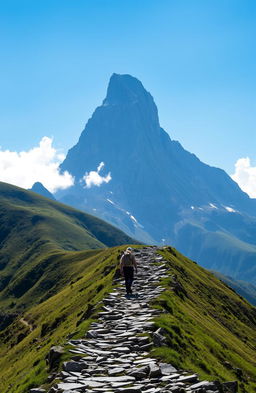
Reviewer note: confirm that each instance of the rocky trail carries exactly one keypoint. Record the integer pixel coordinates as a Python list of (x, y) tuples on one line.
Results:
[(117, 347)]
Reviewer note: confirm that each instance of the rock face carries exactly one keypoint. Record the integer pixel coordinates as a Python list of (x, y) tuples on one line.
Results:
[(182, 201), (114, 355), (53, 357)]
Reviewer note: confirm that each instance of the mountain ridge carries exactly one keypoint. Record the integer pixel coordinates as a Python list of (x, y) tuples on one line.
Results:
[(209, 329)]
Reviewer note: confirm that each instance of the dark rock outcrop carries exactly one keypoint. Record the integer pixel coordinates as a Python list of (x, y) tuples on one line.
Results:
[(54, 356)]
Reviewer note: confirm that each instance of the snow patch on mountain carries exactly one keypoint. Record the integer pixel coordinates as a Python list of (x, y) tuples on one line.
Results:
[(229, 209)]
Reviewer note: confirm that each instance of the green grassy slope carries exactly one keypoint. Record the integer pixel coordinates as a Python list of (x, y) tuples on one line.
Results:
[(210, 329), (23, 347), (35, 234)]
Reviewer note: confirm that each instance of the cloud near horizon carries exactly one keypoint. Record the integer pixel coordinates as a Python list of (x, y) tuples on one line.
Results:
[(93, 178), (245, 176), (39, 164)]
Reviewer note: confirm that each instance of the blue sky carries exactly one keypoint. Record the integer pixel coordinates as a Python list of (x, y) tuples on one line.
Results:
[(197, 58)]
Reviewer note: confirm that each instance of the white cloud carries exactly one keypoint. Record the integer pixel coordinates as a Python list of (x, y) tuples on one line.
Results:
[(94, 178), (40, 164), (245, 176)]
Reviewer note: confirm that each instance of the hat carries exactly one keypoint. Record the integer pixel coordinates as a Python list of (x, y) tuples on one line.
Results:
[(129, 249)]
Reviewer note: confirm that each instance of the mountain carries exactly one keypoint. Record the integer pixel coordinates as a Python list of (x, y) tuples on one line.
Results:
[(243, 288), (40, 189), (129, 172), (209, 329), (37, 238)]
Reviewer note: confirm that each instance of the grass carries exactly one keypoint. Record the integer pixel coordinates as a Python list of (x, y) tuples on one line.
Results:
[(22, 363), (51, 281), (209, 328), (38, 238)]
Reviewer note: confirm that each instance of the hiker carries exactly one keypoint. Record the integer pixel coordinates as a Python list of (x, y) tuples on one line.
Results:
[(127, 266)]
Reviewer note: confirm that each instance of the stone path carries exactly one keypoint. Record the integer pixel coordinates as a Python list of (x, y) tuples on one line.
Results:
[(117, 346)]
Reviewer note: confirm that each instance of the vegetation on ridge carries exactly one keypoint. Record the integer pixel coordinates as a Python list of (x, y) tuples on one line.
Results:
[(210, 329), (54, 293), (37, 237), (68, 313)]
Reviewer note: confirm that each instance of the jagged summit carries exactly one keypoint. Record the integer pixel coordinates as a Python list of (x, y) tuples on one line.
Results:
[(126, 120), (124, 89), (128, 94)]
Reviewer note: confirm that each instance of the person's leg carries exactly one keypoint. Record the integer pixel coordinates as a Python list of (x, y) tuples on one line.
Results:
[(129, 280), (126, 279)]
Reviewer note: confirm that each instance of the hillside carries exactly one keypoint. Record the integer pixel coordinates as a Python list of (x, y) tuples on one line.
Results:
[(36, 237), (209, 328), (23, 346), (155, 190)]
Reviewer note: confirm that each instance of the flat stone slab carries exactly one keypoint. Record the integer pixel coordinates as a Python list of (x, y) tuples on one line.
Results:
[(37, 390), (122, 349), (114, 371), (188, 378), (71, 391), (125, 334), (70, 386), (129, 390), (94, 384), (122, 378), (143, 361), (98, 352), (206, 384), (170, 377), (119, 384)]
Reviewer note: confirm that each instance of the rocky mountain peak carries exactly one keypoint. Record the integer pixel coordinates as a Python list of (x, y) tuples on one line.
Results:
[(125, 89)]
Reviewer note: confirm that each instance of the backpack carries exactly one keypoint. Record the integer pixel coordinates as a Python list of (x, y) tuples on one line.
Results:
[(127, 259)]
